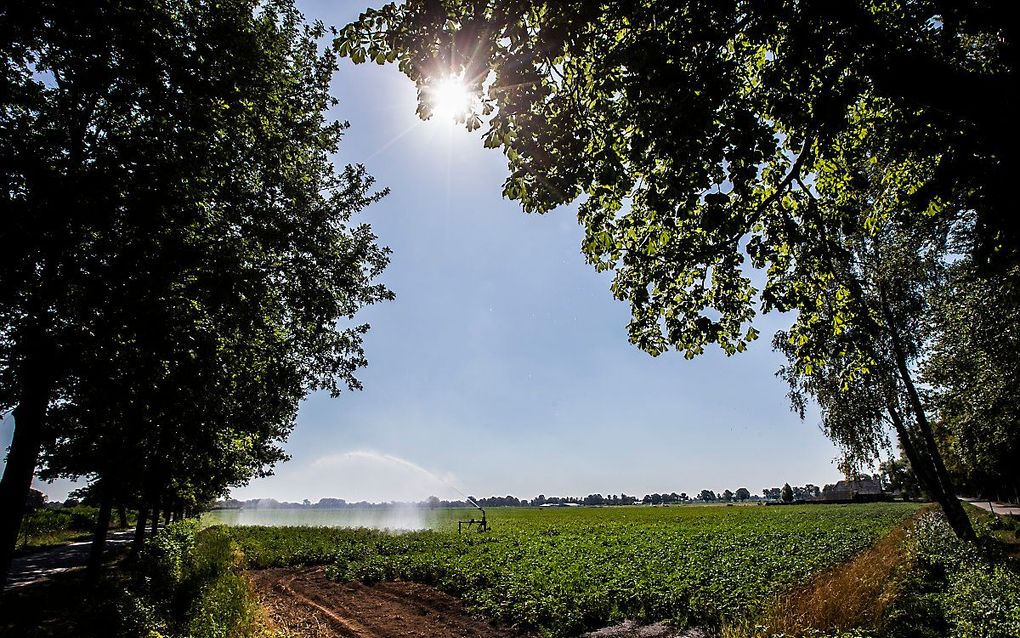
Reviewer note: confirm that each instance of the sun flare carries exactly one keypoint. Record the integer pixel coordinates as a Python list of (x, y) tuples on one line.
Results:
[(450, 98)]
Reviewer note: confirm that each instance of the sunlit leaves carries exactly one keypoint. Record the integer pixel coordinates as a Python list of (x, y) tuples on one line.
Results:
[(705, 139)]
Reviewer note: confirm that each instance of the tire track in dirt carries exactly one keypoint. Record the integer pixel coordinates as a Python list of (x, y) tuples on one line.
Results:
[(348, 627), (304, 603)]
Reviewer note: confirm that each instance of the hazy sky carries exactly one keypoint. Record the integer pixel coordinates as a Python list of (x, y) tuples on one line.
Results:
[(503, 366)]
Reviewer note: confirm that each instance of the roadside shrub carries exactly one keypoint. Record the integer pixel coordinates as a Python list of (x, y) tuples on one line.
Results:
[(79, 519), (957, 589), (226, 608), (984, 603), (191, 586), (49, 524), (214, 554), (167, 561), (136, 616)]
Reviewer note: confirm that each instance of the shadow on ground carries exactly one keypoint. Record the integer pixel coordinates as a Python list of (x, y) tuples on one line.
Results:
[(39, 566)]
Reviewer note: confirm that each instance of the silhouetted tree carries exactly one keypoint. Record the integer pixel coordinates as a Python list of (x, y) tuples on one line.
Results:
[(176, 243)]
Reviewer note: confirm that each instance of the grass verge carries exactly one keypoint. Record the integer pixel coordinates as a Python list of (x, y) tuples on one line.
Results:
[(192, 584), (185, 584), (50, 527), (919, 581)]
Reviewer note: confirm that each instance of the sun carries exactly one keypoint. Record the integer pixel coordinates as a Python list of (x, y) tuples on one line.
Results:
[(450, 98)]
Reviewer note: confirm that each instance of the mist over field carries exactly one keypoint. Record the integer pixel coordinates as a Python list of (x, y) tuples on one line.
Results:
[(401, 516)]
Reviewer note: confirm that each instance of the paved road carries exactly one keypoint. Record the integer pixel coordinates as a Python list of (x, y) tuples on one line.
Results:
[(1002, 509), (39, 566)]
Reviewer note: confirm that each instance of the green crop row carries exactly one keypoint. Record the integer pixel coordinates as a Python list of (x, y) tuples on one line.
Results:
[(563, 571)]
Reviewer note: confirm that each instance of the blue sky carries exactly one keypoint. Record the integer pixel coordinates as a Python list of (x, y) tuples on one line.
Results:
[(503, 366)]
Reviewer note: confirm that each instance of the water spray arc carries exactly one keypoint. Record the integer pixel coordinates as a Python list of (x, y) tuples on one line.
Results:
[(480, 525)]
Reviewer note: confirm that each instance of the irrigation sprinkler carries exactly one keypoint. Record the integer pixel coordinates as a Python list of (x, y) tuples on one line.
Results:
[(478, 525)]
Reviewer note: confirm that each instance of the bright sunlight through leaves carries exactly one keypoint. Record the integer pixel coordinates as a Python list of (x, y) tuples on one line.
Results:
[(450, 98)]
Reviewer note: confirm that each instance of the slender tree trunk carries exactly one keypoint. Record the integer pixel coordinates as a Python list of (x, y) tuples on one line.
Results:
[(95, 561), (940, 482), (155, 515), (956, 516), (29, 417), (927, 472), (919, 462), (139, 541), (122, 516)]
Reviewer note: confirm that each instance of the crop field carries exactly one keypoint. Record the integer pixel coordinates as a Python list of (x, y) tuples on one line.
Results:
[(563, 571)]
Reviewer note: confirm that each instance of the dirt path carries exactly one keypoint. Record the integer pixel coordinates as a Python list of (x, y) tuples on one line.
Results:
[(39, 566), (303, 602), (1002, 509)]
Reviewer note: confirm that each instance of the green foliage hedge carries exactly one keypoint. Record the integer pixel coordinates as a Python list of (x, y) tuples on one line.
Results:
[(48, 525), (957, 589), (191, 585), (47, 520)]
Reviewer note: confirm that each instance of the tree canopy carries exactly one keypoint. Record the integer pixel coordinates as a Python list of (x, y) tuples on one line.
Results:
[(708, 140), (180, 266), (974, 375), (687, 128)]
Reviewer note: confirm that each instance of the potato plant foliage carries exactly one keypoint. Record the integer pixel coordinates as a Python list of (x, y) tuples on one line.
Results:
[(562, 571)]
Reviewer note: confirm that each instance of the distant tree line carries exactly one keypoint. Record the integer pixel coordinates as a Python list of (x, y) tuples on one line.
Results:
[(705, 496), (432, 502), (894, 477), (799, 493)]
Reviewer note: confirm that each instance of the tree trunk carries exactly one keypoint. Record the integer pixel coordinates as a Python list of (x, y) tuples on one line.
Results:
[(155, 515), (951, 505), (936, 479), (95, 561), (139, 541), (29, 418), (927, 475), (956, 516), (122, 516)]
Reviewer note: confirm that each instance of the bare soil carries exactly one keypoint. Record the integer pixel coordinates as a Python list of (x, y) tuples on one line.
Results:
[(303, 602)]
